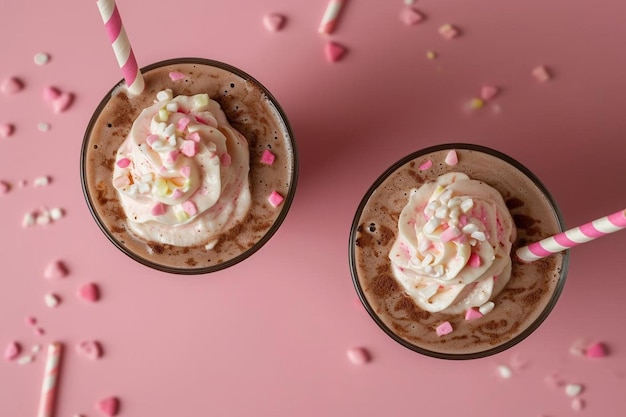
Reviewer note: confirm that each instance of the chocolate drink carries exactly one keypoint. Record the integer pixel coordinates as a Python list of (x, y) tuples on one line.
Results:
[(522, 304), (249, 108)]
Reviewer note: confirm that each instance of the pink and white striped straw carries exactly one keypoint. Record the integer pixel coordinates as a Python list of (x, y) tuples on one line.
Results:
[(50, 380), (570, 238), (121, 46), (331, 16)]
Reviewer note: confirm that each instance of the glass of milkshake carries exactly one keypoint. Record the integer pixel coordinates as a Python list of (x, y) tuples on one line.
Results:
[(432, 252), (194, 174)]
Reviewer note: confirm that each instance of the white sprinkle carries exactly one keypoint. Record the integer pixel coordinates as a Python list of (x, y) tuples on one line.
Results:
[(467, 205), (51, 300), (36, 349), (486, 308), (56, 213), (43, 126), (573, 390), (504, 371), (28, 220), (41, 181), (23, 360), (41, 58), (43, 218)]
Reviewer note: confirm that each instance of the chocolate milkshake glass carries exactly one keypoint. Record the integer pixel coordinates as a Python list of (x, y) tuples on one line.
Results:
[(194, 174), (432, 252)]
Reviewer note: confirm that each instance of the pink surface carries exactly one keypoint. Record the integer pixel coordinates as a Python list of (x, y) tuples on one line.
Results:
[(270, 336)]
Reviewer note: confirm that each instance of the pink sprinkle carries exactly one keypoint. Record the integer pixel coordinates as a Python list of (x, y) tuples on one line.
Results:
[(55, 270), (426, 165), (190, 208), (172, 156), (444, 329), (5, 187), (6, 130), (274, 22), (195, 136), (89, 292), (176, 76), (109, 406), (62, 102), (519, 363), (121, 182), (30, 320), (39, 331), (472, 314), (189, 148), (578, 404), (488, 92), (151, 139), (541, 73), (409, 16), (123, 163), (596, 350), (448, 31), (275, 199), (474, 260), (268, 157), (450, 234), (334, 51), (452, 158), (90, 349), (11, 85), (50, 93), (185, 171), (225, 159), (12, 351), (358, 355), (554, 380), (158, 209), (182, 124)]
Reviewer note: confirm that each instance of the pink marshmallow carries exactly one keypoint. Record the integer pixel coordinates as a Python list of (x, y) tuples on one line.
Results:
[(474, 260), (190, 208), (444, 329), (275, 199), (11, 85), (274, 22), (62, 102), (334, 51), (176, 76), (50, 93), (55, 270), (452, 158), (189, 148), (172, 156), (409, 16), (195, 136), (6, 130), (151, 139), (158, 209), (488, 92), (123, 162), (182, 124), (177, 194), (185, 171), (267, 157), (426, 165), (450, 234), (596, 350), (472, 314), (541, 73)]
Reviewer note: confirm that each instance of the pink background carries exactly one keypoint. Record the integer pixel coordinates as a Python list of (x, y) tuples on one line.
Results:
[(269, 336)]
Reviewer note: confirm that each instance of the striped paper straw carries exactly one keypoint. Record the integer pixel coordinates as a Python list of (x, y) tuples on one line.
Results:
[(570, 238), (121, 46), (50, 381), (331, 15)]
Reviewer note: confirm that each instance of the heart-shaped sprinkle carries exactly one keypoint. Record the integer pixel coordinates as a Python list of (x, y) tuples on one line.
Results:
[(62, 102), (358, 355), (90, 349), (52, 300), (334, 51), (12, 351), (410, 16), (596, 350), (11, 85), (50, 93), (488, 92), (6, 130), (573, 390), (89, 292), (274, 22), (55, 269), (109, 406)]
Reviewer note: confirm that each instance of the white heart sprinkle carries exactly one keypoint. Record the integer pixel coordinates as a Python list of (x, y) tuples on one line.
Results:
[(41, 58), (51, 300), (573, 390)]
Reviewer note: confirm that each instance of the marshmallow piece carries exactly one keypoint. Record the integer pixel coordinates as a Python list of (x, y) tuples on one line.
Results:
[(50, 93), (267, 157), (486, 308), (11, 85), (62, 102), (504, 371), (409, 16), (275, 199), (541, 73), (41, 58), (51, 300), (334, 51), (12, 351), (176, 76), (448, 31), (573, 390), (89, 292), (109, 406), (596, 350), (190, 208), (444, 329), (358, 355), (55, 270), (90, 349), (158, 209), (472, 314), (189, 148), (488, 92), (452, 158), (274, 22), (426, 165), (6, 130)]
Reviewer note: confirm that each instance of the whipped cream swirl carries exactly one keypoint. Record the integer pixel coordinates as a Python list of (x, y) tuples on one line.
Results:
[(182, 172), (453, 247)]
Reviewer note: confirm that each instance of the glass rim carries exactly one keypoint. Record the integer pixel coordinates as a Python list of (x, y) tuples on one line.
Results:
[(457, 356), (286, 204)]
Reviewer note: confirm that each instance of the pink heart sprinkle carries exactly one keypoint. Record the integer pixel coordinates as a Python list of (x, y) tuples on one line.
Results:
[(12, 351), (89, 292), (195, 136), (91, 349), (474, 260), (189, 148), (334, 51), (190, 208), (596, 350), (6, 130), (358, 355), (488, 92), (63, 102), (176, 76), (275, 199), (11, 85), (50, 93), (55, 269), (274, 22), (452, 158), (109, 406), (409, 16)]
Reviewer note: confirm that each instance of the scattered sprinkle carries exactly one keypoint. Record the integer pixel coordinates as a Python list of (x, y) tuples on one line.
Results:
[(35, 349), (504, 371), (452, 159), (42, 181), (6, 130), (472, 314), (62, 102), (409, 16), (426, 165), (519, 363), (334, 51), (108, 406), (176, 76), (267, 157), (409, 2), (275, 199), (28, 220), (39, 331), (444, 328), (578, 347), (431, 55), (578, 404), (90, 349), (11, 85), (57, 213), (358, 355), (489, 92), (486, 308), (43, 126), (55, 270), (573, 390), (12, 351), (448, 31), (5, 187), (41, 58), (26, 359), (89, 292), (51, 300), (596, 350), (476, 104), (50, 93), (541, 73), (274, 22), (30, 320)]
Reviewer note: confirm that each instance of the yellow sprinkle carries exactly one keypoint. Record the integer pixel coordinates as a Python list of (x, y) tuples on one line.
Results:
[(477, 103), (431, 55), (164, 114)]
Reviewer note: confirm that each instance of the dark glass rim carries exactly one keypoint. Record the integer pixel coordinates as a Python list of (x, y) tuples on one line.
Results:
[(286, 204), (452, 356)]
